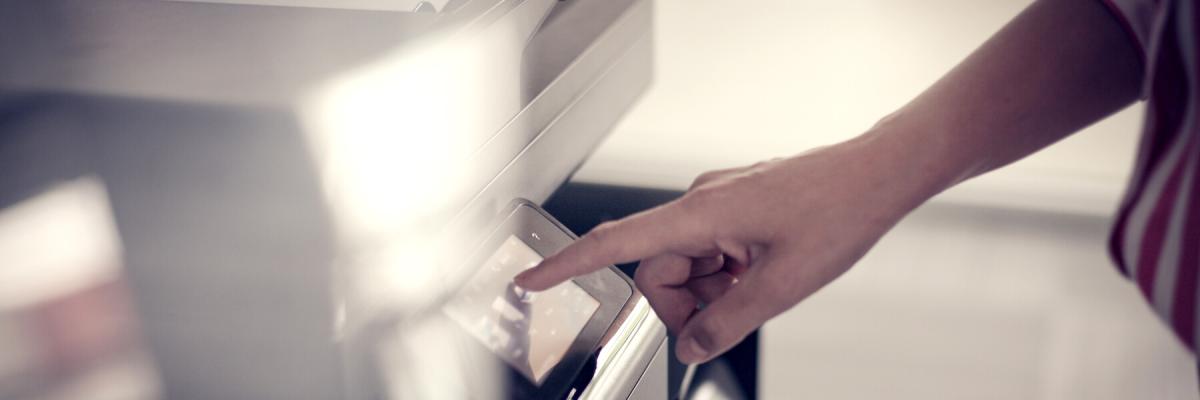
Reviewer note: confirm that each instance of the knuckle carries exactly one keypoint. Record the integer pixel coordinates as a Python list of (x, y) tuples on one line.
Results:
[(704, 178), (767, 162), (645, 278), (602, 233), (698, 199), (696, 218), (704, 203)]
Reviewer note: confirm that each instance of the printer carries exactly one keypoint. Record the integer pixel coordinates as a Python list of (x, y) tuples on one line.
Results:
[(299, 185)]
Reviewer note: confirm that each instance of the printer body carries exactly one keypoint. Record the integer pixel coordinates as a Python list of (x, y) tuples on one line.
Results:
[(294, 182)]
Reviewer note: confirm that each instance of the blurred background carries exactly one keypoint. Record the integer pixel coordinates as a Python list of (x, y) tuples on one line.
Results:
[(999, 288)]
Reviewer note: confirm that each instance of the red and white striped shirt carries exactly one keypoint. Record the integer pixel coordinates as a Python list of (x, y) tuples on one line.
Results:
[(1156, 236)]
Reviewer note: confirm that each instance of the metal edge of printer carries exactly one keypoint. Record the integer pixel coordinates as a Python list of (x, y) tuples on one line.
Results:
[(636, 345), (517, 178)]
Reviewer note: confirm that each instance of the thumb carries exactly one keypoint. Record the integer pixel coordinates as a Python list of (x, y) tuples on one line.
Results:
[(723, 323)]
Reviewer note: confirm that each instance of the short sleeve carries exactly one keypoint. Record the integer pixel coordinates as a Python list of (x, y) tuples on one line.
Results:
[(1137, 17), (1140, 19)]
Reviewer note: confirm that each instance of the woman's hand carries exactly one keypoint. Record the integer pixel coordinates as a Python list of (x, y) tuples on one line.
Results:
[(745, 244)]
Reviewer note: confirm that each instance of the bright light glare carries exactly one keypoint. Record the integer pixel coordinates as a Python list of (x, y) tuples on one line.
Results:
[(395, 142), (57, 242), (396, 139)]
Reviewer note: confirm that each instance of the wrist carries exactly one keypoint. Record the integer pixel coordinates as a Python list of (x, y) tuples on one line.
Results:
[(907, 165)]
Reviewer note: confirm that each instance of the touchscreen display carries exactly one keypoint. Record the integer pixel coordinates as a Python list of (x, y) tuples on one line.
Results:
[(530, 331)]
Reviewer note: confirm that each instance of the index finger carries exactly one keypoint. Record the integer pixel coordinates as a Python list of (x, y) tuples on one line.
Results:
[(638, 236)]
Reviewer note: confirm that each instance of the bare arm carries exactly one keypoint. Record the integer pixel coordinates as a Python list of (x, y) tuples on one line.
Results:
[(1056, 68), (752, 242)]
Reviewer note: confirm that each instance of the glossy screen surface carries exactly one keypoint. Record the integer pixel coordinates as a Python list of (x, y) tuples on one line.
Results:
[(530, 331)]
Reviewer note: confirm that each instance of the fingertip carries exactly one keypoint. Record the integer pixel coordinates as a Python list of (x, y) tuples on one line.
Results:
[(527, 280), (540, 277), (722, 324), (522, 279), (690, 351)]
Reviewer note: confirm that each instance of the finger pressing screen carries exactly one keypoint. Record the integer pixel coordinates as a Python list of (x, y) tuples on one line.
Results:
[(638, 236)]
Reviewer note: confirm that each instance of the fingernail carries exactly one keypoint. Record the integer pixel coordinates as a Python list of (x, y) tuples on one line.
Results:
[(521, 277), (695, 351)]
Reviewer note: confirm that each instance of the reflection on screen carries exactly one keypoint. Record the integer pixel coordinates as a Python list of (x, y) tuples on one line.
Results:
[(530, 331)]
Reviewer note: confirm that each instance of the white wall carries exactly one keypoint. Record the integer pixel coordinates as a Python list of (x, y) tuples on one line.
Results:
[(738, 82), (962, 302)]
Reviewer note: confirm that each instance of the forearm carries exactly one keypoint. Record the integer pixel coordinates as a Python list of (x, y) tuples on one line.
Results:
[(1056, 68)]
